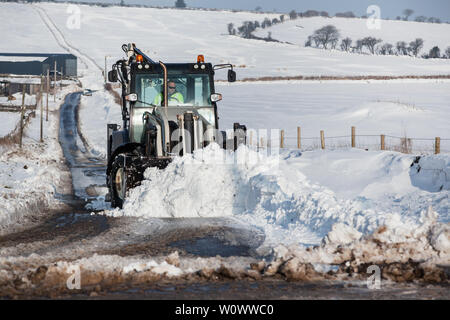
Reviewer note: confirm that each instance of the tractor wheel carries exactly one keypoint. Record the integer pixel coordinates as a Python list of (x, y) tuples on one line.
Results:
[(120, 182)]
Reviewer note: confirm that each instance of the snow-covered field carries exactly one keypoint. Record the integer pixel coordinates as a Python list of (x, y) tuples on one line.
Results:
[(177, 35), (297, 31)]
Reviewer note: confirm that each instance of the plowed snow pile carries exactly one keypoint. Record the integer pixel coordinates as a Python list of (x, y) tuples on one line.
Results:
[(299, 198)]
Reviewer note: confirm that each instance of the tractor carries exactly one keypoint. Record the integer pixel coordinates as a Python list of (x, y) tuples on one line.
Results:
[(168, 110)]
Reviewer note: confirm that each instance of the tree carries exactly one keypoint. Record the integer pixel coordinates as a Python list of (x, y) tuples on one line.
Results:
[(447, 53), (180, 4), (408, 13), (435, 53), (402, 48), (434, 20), (308, 42), (324, 14), (267, 22), (370, 43), (359, 46), (231, 29), (326, 35), (386, 49), (346, 44), (293, 15), (311, 13), (282, 18), (420, 19), (415, 46), (347, 14)]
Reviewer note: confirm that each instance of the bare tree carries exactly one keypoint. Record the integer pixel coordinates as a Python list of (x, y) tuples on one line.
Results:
[(347, 14), (420, 19), (387, 49), (293, 15), (434, 20), (180, 4), (370, 43), (402, 48), (415, 46), (326, 35), (435, 53), (447, 53), (407, 13), (359, 46), (231, 29), (346, 44), (308, 42)]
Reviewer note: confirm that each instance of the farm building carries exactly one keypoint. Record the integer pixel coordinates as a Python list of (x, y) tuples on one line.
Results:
[(38, 63)]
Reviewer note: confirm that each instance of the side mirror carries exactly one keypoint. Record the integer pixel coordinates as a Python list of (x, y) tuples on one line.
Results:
[(216, 97), (231, 76), (112, 76)]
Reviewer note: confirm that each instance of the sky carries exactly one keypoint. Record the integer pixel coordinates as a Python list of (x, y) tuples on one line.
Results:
[(389, 9)]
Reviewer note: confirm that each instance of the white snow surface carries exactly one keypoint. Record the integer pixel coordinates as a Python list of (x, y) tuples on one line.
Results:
[(31, 177), (297, 31), (296, 198), (9, 120), (153, 31)]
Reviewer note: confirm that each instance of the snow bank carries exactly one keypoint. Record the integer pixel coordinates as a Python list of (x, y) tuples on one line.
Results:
[(31, 177), (94, 113), (17, 100), (293, 197)]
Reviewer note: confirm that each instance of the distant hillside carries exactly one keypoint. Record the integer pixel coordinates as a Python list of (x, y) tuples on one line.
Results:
[(180, 35)]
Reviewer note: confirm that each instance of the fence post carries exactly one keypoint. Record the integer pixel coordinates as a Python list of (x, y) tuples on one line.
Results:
[(282, 139), (299, 143), (54, 84), (251, 138), (48, 89), (22, 112), (41, 94), (322, 139), (353, 137), (383, 146), (437, 145)]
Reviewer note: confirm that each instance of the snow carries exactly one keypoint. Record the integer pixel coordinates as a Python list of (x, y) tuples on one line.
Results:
[(396, 108), (360, 201), (293, 197), (17, 101), (30, 178), (297, 31), (96, 111), (9, 120), (252, 58)]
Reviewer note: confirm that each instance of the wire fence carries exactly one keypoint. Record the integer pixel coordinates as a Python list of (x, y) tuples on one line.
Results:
[(365, 142)]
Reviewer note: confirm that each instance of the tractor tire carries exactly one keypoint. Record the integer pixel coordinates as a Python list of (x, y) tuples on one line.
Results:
[(120, 182)]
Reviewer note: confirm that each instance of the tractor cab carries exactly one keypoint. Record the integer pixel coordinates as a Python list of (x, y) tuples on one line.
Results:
[(190, 88)]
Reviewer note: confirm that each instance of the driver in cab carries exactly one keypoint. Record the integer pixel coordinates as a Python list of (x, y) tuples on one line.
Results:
[(175, 97)]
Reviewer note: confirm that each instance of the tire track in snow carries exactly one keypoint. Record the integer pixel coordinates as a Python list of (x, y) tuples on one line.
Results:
[(62, 42)]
